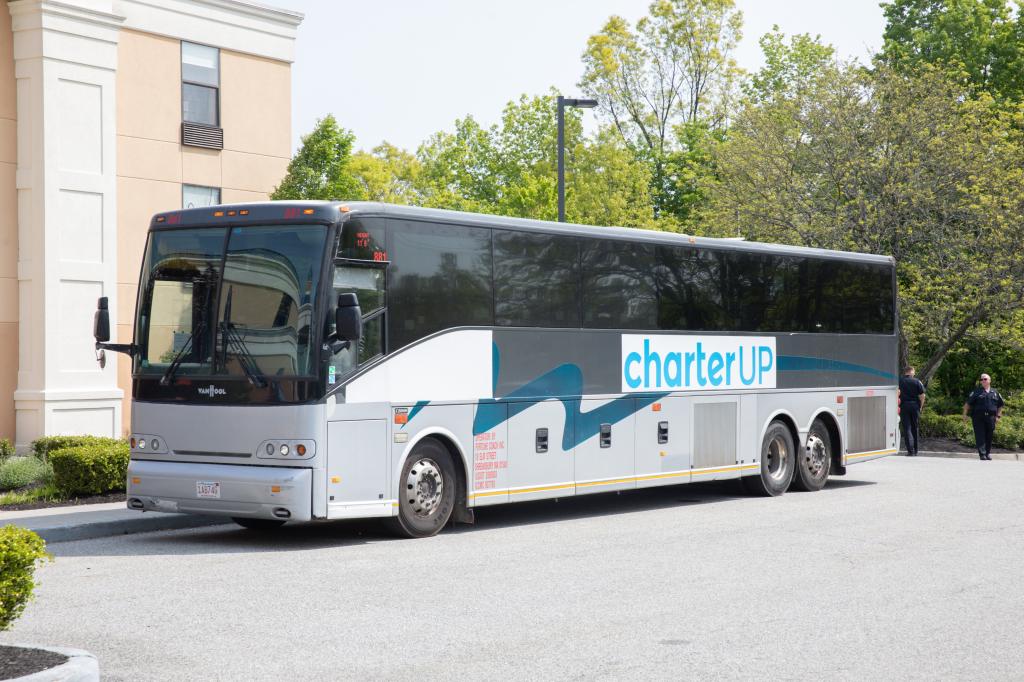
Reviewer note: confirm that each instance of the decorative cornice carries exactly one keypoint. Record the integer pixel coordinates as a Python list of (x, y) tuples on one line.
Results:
[(64, 9)]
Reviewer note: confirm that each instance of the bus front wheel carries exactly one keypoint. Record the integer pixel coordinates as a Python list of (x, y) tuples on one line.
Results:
[(778, 460), (426, 496), (815, 460)]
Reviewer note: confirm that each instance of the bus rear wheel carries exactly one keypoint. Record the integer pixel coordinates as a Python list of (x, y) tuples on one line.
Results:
[(815, 460), (257, 524), (778, 459), (426, 496)]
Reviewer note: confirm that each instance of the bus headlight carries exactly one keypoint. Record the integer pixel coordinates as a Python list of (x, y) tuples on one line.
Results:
[(285, 449)]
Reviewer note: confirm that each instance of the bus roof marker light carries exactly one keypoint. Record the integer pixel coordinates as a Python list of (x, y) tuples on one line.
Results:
[(232, 212), (161, 218), (308, 211), (244, 211), (218, 214), (344, 208)]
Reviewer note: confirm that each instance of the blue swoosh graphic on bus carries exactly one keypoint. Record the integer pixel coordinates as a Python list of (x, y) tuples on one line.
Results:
[(565, 383), (800, 363)]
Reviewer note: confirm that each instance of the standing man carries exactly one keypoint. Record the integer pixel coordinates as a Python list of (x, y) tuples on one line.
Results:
[(911, 401), (986, 408)]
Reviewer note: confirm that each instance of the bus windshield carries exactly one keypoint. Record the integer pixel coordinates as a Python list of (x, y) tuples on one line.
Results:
[(230, 302)]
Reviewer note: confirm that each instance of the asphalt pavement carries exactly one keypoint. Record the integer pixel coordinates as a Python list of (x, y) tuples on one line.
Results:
[(907, 568)]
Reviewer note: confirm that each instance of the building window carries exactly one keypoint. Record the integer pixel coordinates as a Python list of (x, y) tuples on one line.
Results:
[(200, 84), (197, 196)]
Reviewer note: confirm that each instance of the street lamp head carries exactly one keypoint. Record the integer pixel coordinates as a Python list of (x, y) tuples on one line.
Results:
[(580, 103)]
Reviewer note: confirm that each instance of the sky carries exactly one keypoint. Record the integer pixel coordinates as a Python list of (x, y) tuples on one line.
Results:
[(401, 70)]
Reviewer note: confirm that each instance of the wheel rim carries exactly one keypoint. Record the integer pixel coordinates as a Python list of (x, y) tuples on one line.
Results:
[(815, 456), (424, 487), (778, 459)]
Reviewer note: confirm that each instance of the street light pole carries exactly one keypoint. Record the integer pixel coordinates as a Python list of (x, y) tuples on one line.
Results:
[(564, 102)]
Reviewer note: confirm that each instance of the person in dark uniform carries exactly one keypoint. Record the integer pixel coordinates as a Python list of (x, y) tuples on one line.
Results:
[(985, 406), (912, 399)]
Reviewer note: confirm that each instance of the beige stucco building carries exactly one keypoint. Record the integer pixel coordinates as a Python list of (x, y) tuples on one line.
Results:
[(111, 111)]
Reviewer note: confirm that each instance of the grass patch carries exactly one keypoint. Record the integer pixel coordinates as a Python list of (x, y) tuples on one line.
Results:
[(44, 493)]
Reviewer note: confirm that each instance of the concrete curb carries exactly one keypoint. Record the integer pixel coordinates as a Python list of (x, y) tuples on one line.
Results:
[(99, 521), (81, 666), (102, 529)]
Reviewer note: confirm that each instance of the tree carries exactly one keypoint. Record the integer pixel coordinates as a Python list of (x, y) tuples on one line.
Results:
[(675, 68), (321, 168), (886, 162), (510, 169), (387, 174), (981, 38), (789, 69)]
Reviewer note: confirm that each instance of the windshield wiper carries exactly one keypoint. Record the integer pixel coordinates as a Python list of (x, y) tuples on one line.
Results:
[(232, 340), (186, 348)]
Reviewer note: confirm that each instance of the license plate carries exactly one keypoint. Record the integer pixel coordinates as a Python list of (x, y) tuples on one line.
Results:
[(208, 489)]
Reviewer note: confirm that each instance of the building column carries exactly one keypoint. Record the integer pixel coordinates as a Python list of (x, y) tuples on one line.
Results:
[(65, 57)]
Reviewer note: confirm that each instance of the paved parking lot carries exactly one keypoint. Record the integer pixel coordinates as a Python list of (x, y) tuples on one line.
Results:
[(905, 568)]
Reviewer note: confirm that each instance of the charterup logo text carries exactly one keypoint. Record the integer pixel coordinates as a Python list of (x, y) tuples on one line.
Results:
[(696, 363)]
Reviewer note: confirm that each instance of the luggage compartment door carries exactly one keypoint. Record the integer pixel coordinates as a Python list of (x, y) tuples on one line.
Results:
[(357, 462)]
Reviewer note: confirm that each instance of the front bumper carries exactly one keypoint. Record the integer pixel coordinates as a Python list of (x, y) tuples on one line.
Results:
[(246, 491)]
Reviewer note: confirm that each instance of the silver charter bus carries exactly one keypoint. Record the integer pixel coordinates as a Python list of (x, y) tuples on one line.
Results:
[(320, 360)]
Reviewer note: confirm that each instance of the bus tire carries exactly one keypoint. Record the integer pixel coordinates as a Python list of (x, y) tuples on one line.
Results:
[(778, 459), (257, 524), (426, 495), (815, 460)]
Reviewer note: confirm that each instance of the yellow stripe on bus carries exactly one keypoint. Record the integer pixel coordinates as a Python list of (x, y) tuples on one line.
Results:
[(874, 453), (614, 481)]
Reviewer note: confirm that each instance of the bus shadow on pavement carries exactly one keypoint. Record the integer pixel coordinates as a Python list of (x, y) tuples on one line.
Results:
[(622, 502), (232, 539)]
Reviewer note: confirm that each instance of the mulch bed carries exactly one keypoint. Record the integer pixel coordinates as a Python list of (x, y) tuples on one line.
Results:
[(18, 662), (40, 504)]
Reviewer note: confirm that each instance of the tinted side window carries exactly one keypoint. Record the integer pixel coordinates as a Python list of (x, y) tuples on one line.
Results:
[(536, 280), (864, 294), (689, 283), (619, 287), (440, 277)]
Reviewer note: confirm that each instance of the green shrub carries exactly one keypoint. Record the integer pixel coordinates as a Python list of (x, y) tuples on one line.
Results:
[(20, 551), (19, 472), (42, 447), (91, 469), (6, 449)]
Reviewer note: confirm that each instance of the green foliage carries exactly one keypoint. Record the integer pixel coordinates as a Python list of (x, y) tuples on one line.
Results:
[(883, 162), (674, 69), (952, 426), (6, 449), (20, 552), (1009, 431), (790, 70), (321, 168), (387, 174), (979, 38), (18, 472), (959, 374), (511, 169), (91, 469), (42, 447)]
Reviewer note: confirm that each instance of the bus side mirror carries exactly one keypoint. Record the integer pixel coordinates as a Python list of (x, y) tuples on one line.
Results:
[(348, 318), (101, 321)]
